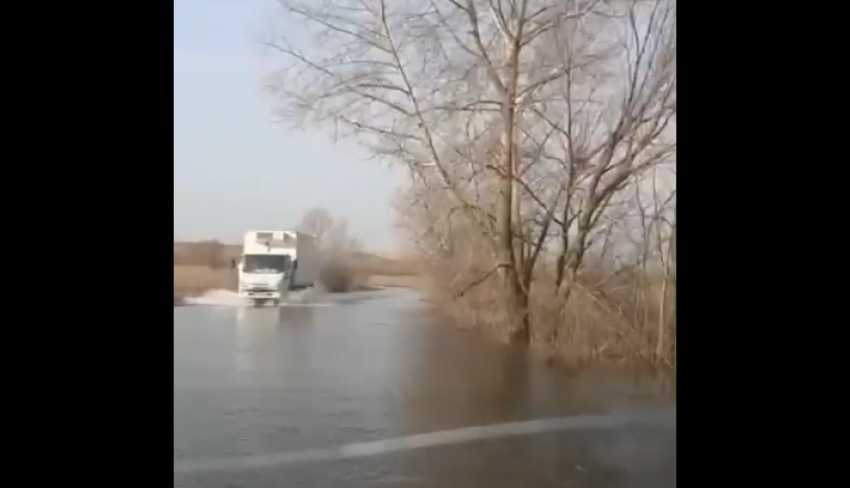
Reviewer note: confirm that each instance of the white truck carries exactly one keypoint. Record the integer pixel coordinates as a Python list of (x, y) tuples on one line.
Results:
[(274, 262)]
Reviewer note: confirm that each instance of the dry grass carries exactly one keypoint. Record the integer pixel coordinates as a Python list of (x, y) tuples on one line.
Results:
[(193, 280), (212, 254), (609, 317), (370, 264), (394, 281), (360, 271)]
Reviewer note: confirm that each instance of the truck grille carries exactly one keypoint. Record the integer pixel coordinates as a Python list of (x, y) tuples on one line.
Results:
[(261, 289)]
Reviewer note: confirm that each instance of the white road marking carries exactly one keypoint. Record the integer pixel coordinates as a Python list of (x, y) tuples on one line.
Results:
[(419, 441)]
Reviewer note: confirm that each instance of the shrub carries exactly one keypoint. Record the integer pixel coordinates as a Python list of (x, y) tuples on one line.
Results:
[(336, 276)]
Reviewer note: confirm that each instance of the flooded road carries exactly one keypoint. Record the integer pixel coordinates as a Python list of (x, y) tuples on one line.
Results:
[(329, 395)]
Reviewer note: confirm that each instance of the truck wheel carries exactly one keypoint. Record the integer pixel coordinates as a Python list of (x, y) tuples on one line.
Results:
[(275, 303)]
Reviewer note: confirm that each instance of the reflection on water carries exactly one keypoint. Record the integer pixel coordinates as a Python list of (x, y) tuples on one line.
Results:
[(253, 382)]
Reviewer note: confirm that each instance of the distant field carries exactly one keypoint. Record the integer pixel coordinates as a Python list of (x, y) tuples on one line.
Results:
[(393, 281), (202, 266)]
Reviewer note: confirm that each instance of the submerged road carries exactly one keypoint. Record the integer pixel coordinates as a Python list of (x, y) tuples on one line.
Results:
[(366, 390)]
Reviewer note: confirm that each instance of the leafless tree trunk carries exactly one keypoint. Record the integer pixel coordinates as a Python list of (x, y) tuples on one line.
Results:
[(668, 280)]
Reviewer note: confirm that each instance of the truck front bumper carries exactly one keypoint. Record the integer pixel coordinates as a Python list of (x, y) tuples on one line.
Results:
[(259, 295)]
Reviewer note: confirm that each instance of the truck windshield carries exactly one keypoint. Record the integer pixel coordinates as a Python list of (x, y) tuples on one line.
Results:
[(265, 263)]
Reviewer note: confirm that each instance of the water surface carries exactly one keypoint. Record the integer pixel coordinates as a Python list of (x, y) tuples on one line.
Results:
[(301, 384)]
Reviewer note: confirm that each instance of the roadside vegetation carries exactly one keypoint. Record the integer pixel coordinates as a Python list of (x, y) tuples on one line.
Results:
[(345, 266), (540, 140), (336, 274), (203, 266)]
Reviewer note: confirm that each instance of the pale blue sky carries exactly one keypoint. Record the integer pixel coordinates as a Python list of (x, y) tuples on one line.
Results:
[(235, 168)]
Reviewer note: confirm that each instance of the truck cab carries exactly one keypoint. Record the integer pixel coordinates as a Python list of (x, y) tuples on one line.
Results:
[(269, 265), (264, 278)]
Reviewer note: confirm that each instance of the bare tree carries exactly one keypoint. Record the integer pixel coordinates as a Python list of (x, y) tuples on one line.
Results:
[(339, 240), (331, 234), (521, 121), (318, 223)]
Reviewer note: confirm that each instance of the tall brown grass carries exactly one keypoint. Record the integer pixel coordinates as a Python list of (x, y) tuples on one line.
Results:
[(341, 272), (203, 266), (611, 315), (193, 280)]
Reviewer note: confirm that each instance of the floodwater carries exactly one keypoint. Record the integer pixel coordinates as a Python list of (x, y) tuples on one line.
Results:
[(365, 390)]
